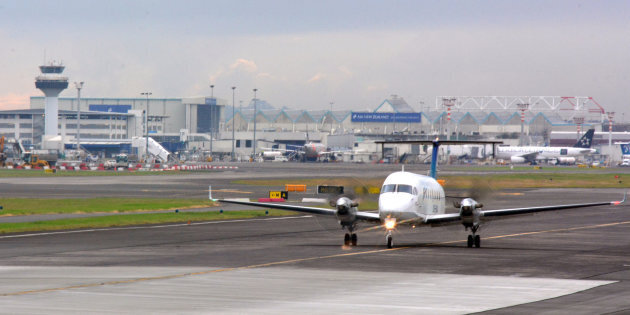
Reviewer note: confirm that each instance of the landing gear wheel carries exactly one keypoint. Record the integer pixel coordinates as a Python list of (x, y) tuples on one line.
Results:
[(346, 239), (354, 239), (390, 241), (470, 241), (477, 241)]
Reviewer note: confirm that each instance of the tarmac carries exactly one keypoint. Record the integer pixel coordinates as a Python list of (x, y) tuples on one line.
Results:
[(574, 261)]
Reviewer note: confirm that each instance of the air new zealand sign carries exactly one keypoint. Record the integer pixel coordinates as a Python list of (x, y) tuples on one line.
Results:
[(386, 117)]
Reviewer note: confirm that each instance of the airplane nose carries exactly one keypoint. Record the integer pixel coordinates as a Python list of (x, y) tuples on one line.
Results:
[(393, 205)]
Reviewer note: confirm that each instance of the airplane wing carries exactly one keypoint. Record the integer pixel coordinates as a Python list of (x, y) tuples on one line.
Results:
[(504, 212), (437, 219), (530, 156), (361, 215), (442, 218)]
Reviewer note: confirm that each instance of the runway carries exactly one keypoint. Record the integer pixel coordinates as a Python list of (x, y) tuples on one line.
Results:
[(575, 261)]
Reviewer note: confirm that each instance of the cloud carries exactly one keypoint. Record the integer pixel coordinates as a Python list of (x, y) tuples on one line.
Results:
[(345, 70), (244, 64), (14, 101), (317, 77)]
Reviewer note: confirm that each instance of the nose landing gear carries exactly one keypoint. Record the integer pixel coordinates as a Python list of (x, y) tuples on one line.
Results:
[(389, 239), (474, 239)]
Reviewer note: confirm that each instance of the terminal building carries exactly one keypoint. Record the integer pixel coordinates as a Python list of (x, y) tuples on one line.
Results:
[(210, 125), (206, 123)]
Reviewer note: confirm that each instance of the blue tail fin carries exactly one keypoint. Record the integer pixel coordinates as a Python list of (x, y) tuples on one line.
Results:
[(586, 140), (434, 156)]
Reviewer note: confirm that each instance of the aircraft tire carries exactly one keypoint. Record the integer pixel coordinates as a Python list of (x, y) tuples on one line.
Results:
[(390, 242), (477, 241), (470, 241), (346, 239), (354, 239)]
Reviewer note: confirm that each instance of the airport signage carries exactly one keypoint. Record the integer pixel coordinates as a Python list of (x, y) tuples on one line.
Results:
[(368, 117), (279, 194), (625, 149), (332, 190), (123, 109)]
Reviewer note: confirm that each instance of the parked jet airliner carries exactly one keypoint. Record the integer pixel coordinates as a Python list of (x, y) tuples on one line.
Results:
[(563, 155), (413, 199)]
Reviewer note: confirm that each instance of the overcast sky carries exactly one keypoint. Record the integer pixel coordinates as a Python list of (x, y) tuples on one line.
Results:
[(306, 54)]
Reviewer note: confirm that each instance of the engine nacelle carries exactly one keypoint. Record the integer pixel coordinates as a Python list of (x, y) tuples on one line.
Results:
[(517, 159), (346, 211), (566, 160), (469, 212)]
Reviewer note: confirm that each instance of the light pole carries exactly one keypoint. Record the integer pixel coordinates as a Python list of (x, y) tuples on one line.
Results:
[(611, 115), (255, 112), (146, 127), (233, 113), (448, 103), (331, 117), (523, 107), (79, 86), (212, 115)]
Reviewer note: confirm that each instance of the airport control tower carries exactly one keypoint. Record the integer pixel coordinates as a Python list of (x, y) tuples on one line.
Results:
[(51, 82)]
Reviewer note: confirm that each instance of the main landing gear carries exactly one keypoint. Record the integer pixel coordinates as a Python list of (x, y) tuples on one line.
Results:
[(474, 239), (350, 239)]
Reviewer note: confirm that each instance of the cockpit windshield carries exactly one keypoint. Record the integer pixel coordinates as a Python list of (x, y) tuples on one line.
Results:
[(404, 189), (388, 188), (396, 188)]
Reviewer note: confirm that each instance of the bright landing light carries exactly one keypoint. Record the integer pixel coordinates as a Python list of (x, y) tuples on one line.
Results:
[(390, 223)]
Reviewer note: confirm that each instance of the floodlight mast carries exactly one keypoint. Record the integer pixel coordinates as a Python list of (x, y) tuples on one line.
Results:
[(146, 127), (79, 86), (233, 113), (522, 107), (255, 112)]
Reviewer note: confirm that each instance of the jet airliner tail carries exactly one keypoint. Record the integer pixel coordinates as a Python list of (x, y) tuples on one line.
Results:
[(586, 140)]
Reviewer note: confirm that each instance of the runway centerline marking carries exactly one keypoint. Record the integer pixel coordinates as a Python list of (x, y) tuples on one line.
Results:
[(283, 262)]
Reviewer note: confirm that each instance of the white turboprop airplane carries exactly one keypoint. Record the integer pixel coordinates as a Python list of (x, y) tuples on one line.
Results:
[(413, 199), (563, 155)]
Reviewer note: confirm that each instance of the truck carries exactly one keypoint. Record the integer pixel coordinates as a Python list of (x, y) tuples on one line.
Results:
[(122, 160)]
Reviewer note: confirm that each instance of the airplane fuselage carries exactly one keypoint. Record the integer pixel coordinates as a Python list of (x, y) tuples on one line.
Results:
[(544, 153), (410, 197), (314, 150)]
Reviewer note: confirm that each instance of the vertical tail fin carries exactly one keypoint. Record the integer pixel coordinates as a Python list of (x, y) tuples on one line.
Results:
[(434, 156), (586, 140)]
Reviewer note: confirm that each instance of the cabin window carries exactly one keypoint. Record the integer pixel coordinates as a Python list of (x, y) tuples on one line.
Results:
[(388, 188)]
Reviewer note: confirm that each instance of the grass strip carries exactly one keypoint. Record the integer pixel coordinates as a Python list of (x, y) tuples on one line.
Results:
[(29, 206), (134, 219), (540, 180), (42, 173), (495, 181)]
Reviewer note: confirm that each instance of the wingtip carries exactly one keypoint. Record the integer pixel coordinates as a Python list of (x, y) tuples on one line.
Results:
[(617, 203)]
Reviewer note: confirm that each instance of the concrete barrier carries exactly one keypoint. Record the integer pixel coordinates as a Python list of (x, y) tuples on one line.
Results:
[(297, 188), (271, 200), (315, 200)]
